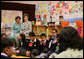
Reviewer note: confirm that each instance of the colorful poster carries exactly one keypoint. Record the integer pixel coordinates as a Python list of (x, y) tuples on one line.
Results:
[(8, 16)]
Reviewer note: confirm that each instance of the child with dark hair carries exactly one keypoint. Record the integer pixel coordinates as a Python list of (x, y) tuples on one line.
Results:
[(54, 35), (22, 40), (44, 43), (32, 43), (70, 43), (34, 53), (7, 46), (3, 35), (60, 18), (53, 42), (23, 52), (22, 44)]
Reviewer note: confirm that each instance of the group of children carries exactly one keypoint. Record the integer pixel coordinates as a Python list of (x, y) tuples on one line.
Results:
[(42, 45), (38, 48)]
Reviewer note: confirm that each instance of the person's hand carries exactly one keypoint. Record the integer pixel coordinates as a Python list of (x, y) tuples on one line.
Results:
[(14, 52), (23, 33), (15, 32), (27, 53), (54, 41), (40, 42)]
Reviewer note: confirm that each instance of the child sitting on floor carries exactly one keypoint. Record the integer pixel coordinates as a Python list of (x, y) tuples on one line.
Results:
[(32, 43), (7, 46), (22, 40), (3, 35), (44, 43)]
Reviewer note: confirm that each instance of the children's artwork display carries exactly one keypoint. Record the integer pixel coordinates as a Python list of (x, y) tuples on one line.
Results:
[(38, 23), (71, 11), (50, 11), (8, 16)]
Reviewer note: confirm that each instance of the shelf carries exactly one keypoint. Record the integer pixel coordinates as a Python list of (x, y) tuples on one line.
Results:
[(39, 25), (48, 25), (45, 29), (50, 34), (51, 25), (38, 34)]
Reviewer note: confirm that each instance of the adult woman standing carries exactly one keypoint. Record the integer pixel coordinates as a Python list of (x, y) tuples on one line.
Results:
[(26, 26)]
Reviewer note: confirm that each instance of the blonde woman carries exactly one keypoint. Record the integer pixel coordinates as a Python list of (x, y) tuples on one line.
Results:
[(26, 26)]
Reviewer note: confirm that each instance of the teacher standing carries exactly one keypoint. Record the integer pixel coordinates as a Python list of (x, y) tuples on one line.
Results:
[(26, 26)]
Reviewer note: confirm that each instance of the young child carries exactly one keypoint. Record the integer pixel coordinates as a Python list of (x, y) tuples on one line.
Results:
[(23, 52), (44, 42), (7, 46), (70, 43), (22, 40), (32, 43), (53, 41), (3, 35), (21, 48), (61, 19), (34, 53)]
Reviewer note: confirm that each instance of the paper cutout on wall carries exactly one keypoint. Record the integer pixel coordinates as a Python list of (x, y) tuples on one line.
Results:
[(63, 4), (79, 23), (81, 34), (45, 15), (39, 11), (39, 16), (65, 23), (58, 5)]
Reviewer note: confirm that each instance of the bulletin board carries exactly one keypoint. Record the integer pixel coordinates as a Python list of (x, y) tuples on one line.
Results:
[(70, 10), (8, 16)]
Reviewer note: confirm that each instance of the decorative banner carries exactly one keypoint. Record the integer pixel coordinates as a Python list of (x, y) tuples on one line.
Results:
[(79, 23), (81, 34), (65, 23)]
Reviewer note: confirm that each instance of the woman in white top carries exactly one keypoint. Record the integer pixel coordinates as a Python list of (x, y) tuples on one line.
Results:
[(70, 44), (26, 26)]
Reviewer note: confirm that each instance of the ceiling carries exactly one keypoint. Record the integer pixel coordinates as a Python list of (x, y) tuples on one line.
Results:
[(27, 2)]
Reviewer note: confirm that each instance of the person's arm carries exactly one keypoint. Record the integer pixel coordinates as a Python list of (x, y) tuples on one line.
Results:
[(50, 42), (63, 55), (29, 29), (13, 28), (47, 44), (21, 28), (41, 46), (38, 43)]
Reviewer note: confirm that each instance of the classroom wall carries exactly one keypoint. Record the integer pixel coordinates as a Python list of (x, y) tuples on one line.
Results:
[(71, 11), (26, 8)]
